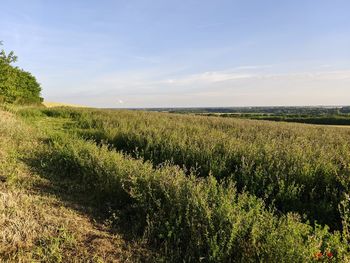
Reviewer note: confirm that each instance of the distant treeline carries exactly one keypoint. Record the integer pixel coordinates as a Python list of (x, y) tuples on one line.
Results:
[(16, 85), (277, 110), (313, 115), (335, 119), (328, 120)]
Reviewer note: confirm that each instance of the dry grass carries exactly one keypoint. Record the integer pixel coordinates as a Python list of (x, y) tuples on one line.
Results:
[(58, 104), (337, 126), (38, 226)]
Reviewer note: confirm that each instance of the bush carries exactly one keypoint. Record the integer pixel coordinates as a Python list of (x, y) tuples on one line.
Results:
[(16, 85)]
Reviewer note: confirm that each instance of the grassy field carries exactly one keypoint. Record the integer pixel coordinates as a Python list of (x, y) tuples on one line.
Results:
[(191, 188), (297, 168)]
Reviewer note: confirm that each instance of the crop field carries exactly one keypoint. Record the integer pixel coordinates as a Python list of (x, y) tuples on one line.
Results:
[(204, 189)]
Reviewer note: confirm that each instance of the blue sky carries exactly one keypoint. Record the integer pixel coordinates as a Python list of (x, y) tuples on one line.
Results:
[(183, 53)]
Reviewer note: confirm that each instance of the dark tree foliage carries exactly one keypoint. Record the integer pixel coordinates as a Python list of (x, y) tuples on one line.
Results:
[(345, 110), (16, 85)]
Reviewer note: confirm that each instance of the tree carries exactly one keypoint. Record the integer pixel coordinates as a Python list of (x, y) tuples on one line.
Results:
[(8, 59), (16, 85)]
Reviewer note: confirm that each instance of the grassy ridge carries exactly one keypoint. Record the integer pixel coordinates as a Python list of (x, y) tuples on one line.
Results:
[(295, 167)]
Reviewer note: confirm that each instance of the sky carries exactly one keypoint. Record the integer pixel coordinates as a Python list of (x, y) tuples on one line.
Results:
[(183, 53)]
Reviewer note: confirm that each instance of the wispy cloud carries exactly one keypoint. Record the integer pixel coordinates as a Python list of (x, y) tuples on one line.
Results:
[(207, 77)]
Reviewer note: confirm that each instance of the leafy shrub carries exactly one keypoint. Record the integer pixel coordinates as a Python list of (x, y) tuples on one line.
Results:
[(30, 112)]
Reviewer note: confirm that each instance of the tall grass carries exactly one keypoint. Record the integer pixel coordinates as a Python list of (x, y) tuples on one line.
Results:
[(208, 213), (292, 166), (189, 219)]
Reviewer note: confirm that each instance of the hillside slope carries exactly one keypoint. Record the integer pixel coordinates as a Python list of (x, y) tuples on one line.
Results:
[(85, 195)]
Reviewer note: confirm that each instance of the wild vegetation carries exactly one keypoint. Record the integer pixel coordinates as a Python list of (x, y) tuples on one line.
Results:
[(205, 189), (294, 167)]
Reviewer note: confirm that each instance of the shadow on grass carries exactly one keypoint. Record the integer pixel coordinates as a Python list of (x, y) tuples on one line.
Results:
[(77, 196)]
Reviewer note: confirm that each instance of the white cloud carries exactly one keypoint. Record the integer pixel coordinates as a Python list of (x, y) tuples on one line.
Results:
[(151, 88)]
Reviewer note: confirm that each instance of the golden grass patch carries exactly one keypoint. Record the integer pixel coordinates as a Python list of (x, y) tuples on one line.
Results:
[(59, 104)]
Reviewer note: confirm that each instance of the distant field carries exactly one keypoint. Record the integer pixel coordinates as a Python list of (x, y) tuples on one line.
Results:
[(336, 116), (319, 119), (275, 110)]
